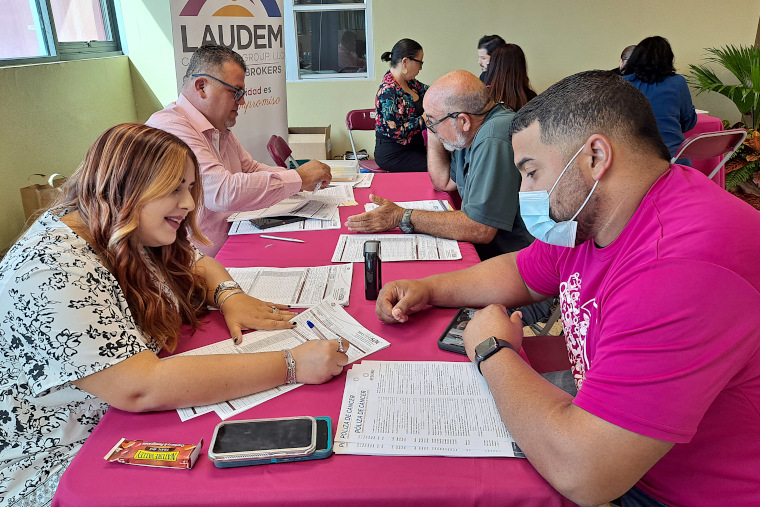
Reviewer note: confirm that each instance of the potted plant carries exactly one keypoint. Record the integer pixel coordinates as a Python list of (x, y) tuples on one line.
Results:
[(743, 62)]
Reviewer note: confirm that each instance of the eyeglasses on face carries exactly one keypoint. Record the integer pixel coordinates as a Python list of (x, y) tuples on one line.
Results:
[(432, 126), (416, 60), (239, 92)]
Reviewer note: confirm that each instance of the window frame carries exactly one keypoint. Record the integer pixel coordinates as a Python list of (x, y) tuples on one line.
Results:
[(64, 51), (292, 72)]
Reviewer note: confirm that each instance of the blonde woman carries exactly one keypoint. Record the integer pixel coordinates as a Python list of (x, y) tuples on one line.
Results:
[(97, 287)]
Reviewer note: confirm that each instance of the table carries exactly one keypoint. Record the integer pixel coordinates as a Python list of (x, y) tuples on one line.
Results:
[(341, 479), (706, 123)]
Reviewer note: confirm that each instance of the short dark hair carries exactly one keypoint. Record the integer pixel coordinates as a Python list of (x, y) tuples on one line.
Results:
[(208, 59), (490, 42), (652, 60), (592, 102), (405, 48)]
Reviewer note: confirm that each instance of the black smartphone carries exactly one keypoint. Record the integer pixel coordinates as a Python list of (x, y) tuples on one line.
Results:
[(451, 339), (264, 441), (266, 223)]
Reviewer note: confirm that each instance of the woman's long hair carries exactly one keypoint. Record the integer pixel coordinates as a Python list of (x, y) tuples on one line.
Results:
[(652, 60), (507, 77), (128, 166)]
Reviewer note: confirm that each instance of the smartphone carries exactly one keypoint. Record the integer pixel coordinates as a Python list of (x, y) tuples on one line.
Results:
[(266, 223), (451, 339), (276, 441)]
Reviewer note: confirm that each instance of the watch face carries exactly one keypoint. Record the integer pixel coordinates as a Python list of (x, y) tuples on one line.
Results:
[(485, 347)]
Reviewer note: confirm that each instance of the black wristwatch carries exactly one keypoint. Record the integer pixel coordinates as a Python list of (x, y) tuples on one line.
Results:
[(489, 347), (406, 222)]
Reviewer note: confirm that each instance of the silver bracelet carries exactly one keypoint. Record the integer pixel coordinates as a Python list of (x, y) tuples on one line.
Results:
[(290, 378), (236, 291), (223, 286)]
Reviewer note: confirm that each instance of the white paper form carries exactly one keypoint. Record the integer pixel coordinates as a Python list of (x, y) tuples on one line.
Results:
[(420, 408), (429, 205), (329, 317), (297, 287), (310, 224), (397, 247), (321, 205), (363, 180)]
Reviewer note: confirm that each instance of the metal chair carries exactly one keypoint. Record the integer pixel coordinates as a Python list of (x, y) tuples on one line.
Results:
[(711, 145), (362, 119), (281, 153)]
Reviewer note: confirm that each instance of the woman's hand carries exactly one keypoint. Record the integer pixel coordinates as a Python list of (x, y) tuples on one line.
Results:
[(318, 361), (242, 311)]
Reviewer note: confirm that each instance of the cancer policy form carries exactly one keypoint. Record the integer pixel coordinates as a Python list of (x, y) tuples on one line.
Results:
[(329, 318), (420, 408)]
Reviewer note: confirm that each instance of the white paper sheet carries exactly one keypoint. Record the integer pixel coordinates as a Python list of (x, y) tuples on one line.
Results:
[(297, 287), (420, 408), (397, 247), (310, 224), (363, 180), (330, 318), (323, 204), (429, 205)]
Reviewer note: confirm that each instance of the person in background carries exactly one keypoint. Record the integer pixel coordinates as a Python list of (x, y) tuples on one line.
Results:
[(650, 69), (97, 287), (486, 45), (507, 77), (624, 57), (348, 54), (468, 152), (399, 145), (650, 262), (207, 107)]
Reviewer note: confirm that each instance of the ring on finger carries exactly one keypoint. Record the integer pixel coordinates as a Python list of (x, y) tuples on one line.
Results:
[(275, 310)]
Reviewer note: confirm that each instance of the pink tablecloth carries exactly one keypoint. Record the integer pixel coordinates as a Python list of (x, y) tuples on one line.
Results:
[(341, 479), (707, 123)]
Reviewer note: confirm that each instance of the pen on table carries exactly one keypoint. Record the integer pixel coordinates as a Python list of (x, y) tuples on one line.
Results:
[(282, 239), (322, 336)]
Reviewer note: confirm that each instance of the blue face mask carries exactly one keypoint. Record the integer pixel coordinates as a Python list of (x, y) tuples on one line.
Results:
[(534, 209)]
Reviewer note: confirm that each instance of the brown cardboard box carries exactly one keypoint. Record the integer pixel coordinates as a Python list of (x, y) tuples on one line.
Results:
[(310, 143)]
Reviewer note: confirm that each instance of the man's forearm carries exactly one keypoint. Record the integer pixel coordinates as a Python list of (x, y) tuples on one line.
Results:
[(452, 225), (439, 165)]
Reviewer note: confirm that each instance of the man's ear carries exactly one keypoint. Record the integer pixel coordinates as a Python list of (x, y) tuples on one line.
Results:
[(466, 122), (601, 158), (199, 86)]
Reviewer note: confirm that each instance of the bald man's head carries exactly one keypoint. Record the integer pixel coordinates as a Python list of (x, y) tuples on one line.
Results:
[(459, 90)]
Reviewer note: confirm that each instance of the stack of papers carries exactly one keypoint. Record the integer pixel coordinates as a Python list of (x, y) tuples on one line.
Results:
[(397, 247), (331, 319), (297, 287), (322, 204), (420, 408)]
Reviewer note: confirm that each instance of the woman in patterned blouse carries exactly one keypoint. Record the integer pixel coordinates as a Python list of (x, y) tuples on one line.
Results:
[(399, 145), (97, 287)]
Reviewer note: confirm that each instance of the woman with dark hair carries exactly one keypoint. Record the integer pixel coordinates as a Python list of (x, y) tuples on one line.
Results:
[(101, 283), (399, 145), (507, 77), (486, 46), (650, 69)]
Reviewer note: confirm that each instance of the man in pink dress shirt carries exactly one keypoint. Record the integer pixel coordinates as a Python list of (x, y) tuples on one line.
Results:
[(207, 107)]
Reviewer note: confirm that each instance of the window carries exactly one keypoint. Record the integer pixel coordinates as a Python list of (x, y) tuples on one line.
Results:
[(36, 31), (328, 39)]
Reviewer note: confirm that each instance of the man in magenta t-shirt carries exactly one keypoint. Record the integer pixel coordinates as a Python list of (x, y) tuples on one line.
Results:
[(656, 269)]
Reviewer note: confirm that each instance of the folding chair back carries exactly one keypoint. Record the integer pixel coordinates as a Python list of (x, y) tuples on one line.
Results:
[(280, 152), (722, 143), (362, 119)]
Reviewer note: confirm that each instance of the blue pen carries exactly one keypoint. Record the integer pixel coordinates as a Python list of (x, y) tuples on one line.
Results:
[(322, 336)]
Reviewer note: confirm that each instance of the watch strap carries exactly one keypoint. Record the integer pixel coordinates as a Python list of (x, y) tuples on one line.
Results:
[(406, 222), (500, 344)]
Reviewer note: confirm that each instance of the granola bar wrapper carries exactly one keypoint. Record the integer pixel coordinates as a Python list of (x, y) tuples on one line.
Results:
[(154, 454)]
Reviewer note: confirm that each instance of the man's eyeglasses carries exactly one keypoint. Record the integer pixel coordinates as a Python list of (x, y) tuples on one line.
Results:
[(433, 125), (416, 60), (239, 92)]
